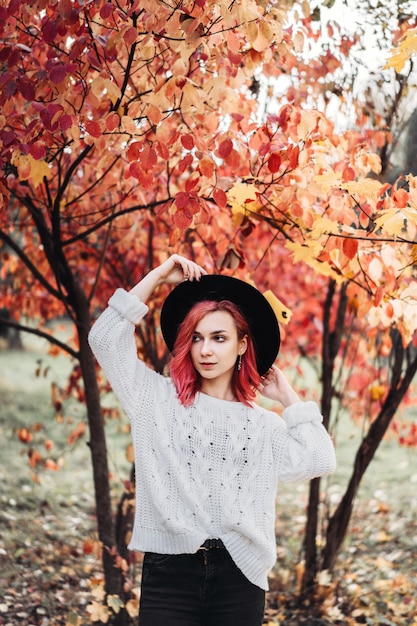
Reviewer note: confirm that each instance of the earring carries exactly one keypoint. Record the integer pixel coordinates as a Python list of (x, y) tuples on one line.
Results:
[(239, 362)]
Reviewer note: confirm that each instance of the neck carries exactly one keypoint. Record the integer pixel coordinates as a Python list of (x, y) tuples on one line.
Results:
[(221, 392)]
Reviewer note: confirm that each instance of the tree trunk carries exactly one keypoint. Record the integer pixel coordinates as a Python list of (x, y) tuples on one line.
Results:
[(113, 575), (338, 523), (330, 349)]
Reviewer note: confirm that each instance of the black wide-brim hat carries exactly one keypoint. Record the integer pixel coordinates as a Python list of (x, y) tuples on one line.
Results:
[(255, 307)]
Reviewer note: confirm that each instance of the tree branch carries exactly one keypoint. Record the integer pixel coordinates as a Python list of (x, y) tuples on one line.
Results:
[(40, 333)]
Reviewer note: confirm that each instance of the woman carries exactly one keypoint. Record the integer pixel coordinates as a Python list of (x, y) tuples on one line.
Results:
[(208, 459)]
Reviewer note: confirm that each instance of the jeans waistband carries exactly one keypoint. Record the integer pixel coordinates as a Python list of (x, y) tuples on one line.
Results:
[(209, 544)]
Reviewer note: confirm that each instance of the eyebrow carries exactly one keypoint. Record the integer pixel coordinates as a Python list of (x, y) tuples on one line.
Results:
[(215, 332)]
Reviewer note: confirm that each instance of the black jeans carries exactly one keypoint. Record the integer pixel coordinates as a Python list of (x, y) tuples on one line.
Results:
[(201, 589)]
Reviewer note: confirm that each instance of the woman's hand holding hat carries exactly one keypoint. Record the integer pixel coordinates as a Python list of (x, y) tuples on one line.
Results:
[(173, 271), (177, 268)]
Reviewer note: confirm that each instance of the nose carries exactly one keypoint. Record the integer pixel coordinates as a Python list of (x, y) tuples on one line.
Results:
[(206, 347)]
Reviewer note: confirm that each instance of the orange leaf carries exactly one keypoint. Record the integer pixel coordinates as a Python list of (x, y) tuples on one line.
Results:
[(24, 435), (206, 167), (50, 465)]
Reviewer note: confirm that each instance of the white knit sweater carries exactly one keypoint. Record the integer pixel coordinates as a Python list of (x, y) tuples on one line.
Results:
[(209, 470)]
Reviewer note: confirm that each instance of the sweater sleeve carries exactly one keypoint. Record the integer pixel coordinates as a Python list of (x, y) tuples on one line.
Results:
[(113, 343), (303, 446)]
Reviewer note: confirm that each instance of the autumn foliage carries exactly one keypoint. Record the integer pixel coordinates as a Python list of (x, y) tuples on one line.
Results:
[(128, 129)]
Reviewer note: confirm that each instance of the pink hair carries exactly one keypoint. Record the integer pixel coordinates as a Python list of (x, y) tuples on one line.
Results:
[(186, 379)]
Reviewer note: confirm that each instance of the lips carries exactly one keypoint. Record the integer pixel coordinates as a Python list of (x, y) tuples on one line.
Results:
[(207, 365)]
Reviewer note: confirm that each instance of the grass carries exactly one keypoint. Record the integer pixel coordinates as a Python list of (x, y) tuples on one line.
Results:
[(46, 517)]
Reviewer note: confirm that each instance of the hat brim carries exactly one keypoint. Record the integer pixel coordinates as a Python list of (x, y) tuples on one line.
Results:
[(258, 312)]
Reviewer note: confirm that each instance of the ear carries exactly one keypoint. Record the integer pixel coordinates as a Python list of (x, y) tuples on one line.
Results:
[(243, 345)]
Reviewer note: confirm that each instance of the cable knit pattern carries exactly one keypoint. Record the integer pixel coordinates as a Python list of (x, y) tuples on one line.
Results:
[(209, 470)]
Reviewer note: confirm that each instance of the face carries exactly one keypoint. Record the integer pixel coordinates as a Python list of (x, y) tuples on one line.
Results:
[(215, 347)]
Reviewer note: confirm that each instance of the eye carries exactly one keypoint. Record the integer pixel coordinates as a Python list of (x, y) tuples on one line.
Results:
[(195, 338), (219, 338)]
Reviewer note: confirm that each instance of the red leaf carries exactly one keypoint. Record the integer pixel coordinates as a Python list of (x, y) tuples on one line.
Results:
[(14, 7), (350, 247), (274, 163), (65, 121), (162, 150), (293, 157), (49, 31), (187, 142), (65, 9), (220, 198), (182, 220), (10, 89), (130, 36), (93, 128), (192, 181), (134, 150), (112, 121), (182, 199), (148, 157), (225, 148), (185, 162), (106, 10), (27, 90), (233, 160), (58, 73), (234, 57), (38, 150)]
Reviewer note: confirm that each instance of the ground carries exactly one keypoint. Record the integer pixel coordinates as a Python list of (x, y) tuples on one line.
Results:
[(50, 571)]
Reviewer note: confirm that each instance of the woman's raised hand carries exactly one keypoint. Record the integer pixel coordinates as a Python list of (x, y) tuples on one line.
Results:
[(178, 268)]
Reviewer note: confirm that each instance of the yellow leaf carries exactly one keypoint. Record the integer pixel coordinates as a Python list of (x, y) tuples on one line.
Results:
[(328, 180), (393, 221), (242, 197), (98, 612), (383, 537), (403, 51), (324, 226), (132, 607), (98, 591), (308, 252), (191, 96), (307, 123), (282, 312), (363, 187), (30, 168)]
